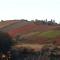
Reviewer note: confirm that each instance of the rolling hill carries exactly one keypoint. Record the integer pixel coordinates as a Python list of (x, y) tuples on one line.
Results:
[(30, 32)]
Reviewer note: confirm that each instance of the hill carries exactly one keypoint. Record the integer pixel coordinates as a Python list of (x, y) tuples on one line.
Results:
[(32, 32)]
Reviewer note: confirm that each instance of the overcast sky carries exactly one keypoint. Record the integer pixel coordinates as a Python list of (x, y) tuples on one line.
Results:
[(30, 9)]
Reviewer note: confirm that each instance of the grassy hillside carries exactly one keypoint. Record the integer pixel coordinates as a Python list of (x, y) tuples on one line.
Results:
[(31, 32), (6, 23), (50, 34), (13, 24)]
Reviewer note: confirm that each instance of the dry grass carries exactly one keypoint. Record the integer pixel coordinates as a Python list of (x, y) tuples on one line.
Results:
[(32, 46)]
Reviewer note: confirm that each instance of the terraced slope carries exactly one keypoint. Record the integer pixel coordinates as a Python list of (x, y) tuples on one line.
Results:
[(31, 32), (41, 37), (14, 25), (6, 23), (31, 27)]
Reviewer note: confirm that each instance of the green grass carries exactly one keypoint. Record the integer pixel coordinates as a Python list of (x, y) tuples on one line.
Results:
[(50, 34), (47, 34), (33, 33)]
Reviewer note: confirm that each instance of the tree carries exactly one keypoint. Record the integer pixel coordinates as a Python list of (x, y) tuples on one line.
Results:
[(5, 42)]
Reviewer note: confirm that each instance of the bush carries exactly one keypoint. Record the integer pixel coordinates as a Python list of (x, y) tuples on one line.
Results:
[(5, 42)]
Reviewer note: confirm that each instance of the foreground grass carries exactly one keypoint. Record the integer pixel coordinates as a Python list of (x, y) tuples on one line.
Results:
[(31, 46)]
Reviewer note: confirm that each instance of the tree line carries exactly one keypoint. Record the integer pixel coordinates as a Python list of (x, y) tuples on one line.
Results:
[(37, 21)]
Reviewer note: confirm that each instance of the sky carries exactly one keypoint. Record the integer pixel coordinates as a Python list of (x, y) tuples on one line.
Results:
[(30, 9)]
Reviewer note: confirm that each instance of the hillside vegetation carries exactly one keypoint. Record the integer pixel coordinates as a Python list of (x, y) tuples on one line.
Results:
[(35, 32)]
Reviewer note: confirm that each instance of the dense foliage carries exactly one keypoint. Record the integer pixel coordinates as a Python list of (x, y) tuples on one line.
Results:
[(5, 42)]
